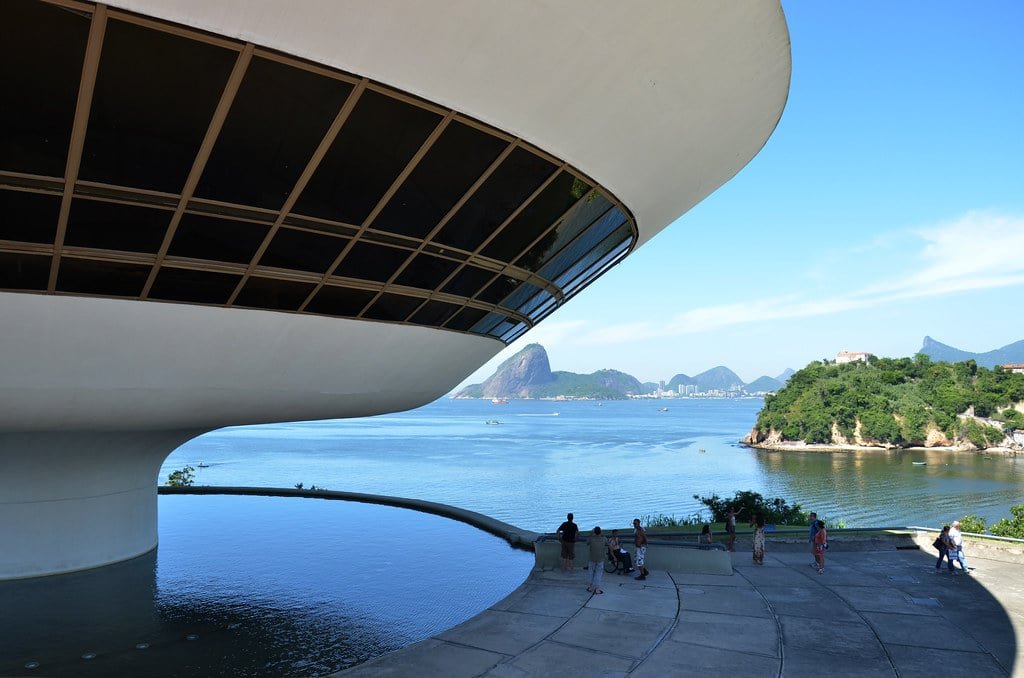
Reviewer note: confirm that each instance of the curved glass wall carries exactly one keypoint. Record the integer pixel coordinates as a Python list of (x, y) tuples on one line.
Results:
[(151, 161)]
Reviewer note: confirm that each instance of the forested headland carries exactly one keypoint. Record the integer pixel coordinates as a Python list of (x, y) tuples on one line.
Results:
[(894, 402)]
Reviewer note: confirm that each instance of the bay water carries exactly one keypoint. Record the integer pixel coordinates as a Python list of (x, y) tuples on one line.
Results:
[(608, 462), (251, 586)]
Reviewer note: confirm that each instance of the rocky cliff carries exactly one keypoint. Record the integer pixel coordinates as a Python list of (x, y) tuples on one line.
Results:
[(516, 377)]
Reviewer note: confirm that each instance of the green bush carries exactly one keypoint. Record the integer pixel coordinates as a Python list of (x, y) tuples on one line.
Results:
[(746, 503), (1007, 527), (972, 523), (182, 477), (980, 435), (661, 520)]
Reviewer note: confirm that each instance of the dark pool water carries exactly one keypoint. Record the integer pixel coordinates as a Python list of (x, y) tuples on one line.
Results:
[(256, 586)]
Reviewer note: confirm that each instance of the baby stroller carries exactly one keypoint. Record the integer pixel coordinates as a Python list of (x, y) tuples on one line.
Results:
[(618, 563)]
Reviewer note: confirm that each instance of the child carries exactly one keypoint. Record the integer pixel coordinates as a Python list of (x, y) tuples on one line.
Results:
[(820, 544), (705, 537)]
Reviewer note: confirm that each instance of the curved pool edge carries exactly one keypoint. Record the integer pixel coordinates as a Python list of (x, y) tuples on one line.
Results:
[(517, 537)]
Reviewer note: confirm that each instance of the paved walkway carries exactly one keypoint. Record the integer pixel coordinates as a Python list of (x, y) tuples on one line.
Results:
[(873, 613)]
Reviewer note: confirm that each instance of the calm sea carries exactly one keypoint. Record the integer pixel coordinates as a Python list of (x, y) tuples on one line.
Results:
[(608, 462), (255, 586)]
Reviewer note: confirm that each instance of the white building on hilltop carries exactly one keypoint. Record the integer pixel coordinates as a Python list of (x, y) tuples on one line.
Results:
[(850, 356)]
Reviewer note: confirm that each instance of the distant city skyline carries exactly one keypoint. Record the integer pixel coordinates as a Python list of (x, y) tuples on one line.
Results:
[(887, 206)]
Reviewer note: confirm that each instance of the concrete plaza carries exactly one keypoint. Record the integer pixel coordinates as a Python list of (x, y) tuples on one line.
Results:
[(872, 613)]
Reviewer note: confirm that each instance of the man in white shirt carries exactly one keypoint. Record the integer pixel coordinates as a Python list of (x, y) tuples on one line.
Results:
[(958, 542)]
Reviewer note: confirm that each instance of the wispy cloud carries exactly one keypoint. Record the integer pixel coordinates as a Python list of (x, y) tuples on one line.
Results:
[(976, 252)]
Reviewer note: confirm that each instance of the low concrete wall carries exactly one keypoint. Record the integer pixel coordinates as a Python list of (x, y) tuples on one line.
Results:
[(666, 557), (987, 549), (515, 536)]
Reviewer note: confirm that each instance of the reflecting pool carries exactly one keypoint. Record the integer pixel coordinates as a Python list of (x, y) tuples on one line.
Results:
[(247, 586)]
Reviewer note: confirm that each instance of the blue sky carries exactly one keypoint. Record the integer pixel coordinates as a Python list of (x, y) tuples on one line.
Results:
[(888, 205)]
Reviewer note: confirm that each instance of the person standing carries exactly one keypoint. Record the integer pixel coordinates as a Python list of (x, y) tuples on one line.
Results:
[(598, 546), (758, 524), (958, 546), (812, 530), (730, 529), (945, 546), (567, 533), (820, 546), (640, 540)]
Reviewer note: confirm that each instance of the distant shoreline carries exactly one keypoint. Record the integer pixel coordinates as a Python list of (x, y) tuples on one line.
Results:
[(799, 446)]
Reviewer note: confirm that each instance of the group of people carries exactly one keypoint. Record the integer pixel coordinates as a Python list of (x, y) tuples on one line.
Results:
[(950, 544), (817, 537), (600, 547)]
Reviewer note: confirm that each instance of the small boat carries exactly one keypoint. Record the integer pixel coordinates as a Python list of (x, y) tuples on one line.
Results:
[(202, 465), (663, 409), (493, 422), (701, 450), (499, 401), (919, 463)]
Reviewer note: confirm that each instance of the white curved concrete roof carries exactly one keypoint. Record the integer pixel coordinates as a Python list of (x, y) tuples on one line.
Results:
[(661, 102)]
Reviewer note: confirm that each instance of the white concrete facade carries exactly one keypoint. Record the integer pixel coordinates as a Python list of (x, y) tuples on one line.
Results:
[(659, 102), (97, 392)]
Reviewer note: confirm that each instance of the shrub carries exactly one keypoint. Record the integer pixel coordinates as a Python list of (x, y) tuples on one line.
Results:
[(747, 503), (1007, 527), (661, 520), (183, 477), (972, 523)]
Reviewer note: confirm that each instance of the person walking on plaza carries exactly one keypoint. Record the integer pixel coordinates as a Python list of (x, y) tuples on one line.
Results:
[(758, 524), (958, 546), (640, 540), (945, 546), (820, 546), (598, 545), (812, 530), (567, 533), (730, 529)]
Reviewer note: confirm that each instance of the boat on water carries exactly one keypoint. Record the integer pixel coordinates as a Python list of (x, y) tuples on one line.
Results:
[(493, 422), (499, 401), (919, 463), (663, 409), (202, 465)]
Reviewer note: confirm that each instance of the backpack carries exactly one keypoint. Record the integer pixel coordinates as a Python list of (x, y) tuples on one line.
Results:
[(938, 543)]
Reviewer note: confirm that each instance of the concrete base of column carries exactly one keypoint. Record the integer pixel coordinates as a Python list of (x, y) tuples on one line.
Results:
[(77, 500)]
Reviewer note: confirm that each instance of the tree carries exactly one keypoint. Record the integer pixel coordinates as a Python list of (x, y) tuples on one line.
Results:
[(747, 503), (182, 477)]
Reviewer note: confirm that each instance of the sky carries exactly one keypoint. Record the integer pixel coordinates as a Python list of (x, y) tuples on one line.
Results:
[(888, 205)]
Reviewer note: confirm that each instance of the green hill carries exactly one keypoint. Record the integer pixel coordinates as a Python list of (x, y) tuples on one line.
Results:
[(1011, 353), (764, 384), (900, 402)]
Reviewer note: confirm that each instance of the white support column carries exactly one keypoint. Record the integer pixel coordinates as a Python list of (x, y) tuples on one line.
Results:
[(75, 500)]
